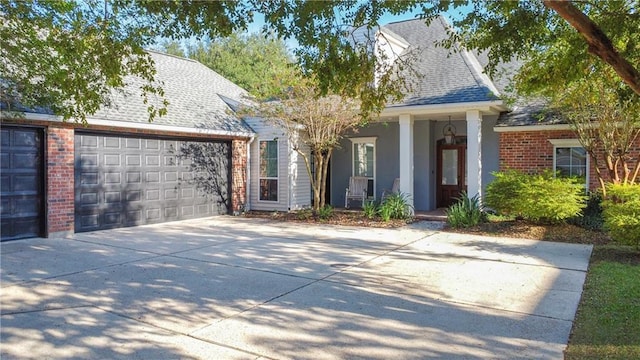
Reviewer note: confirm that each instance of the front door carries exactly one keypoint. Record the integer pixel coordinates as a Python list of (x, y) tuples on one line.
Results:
[(451, 174)]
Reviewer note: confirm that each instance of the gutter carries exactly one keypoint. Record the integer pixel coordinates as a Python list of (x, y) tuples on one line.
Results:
[(137, 126)]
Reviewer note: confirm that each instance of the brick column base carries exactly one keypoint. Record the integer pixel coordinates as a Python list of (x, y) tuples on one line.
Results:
[(60, 181), (238, 176)]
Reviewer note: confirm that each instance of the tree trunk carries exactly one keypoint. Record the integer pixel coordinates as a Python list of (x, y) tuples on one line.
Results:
[(599, 44), (323, 183)]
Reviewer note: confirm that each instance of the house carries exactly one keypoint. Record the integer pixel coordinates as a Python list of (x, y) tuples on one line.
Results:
[(120, 170), (452, 96), (413, 140)]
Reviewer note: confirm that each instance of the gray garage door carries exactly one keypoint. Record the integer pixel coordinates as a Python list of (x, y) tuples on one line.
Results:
[(22, 186), (127, 180)]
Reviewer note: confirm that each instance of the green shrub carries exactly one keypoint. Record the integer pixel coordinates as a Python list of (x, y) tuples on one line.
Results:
[(395, 206), (591, 216), (385, 213), (370, 209), (325, 212), (621, 211), (538, 197), (304, 214), (466, 212)]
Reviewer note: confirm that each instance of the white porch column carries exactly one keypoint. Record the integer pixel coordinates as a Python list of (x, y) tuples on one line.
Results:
[(406, 156), (474, 153)]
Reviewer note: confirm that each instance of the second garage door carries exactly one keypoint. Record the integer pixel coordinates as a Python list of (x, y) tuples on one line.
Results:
[(129, 180)]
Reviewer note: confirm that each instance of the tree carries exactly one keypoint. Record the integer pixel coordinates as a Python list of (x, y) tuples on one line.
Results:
[(316, 123), (607, 123), (47, 43), (261, 65), (68, 57)]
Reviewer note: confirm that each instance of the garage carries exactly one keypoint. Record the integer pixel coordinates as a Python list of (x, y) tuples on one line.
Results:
[(128, 180), (22, 185)]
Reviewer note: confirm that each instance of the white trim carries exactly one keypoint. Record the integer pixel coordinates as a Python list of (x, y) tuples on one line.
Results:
[(393, 38), (132, 125), (365, 140), (565, 142), (571, 143), (472, 60), (489, 107), (247, 202), (549, 127), (277, 178)]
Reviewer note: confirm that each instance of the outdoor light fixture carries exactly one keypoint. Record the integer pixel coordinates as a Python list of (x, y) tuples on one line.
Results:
[(449, 132)]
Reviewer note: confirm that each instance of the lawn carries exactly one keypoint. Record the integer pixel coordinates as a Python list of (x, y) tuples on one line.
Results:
[(607, 325)]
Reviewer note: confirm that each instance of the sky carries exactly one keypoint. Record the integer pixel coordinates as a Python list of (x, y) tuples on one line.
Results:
[(258, 22)]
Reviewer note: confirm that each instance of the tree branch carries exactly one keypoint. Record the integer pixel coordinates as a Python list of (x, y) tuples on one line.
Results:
[(599, 44)]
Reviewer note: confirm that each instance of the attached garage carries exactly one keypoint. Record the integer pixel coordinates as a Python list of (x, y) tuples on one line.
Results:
[(125, 180), (22, 186)]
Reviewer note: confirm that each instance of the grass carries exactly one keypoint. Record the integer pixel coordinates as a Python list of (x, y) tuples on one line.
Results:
[(607, 325)]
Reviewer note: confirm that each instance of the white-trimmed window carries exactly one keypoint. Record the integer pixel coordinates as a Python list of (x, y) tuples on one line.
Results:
[(364, 160), (570, 159), (269, 170)]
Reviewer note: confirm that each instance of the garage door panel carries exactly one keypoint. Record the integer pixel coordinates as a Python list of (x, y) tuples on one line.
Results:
[(147, 178), (21, 182)]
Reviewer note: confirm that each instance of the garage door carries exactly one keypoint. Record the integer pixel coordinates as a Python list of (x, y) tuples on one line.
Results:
[(127, 181), (22, 185)]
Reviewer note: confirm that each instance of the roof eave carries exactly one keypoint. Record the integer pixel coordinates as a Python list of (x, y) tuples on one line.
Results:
[(136, 126), (493, 107)]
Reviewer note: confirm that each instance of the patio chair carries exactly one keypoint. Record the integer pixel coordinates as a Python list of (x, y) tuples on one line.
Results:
[(395, 189), (357, 190)]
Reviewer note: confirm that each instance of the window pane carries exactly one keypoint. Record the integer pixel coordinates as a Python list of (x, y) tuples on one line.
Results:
[(572, 162), (269, 158), (269, 189), (449, 167), (363, 164)]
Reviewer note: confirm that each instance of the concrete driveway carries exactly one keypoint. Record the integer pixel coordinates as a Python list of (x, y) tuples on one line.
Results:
[(235, 288)]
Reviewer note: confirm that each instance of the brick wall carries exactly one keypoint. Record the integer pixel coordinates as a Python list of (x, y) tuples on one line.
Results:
[(60, 180), (531, 152), (238, 175)]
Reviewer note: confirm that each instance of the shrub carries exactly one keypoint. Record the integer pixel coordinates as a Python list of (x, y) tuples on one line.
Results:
[(621, 212), (395, 206), (370, 209), (304, 214), (325, 212), (538, 197), (466, 212), (591, 216)]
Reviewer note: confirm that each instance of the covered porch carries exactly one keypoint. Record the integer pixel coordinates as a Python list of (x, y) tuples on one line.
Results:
[(436, 151)]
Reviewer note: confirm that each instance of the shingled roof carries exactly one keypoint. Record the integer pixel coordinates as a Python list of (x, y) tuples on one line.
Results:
[(445, 76), (198, 98)]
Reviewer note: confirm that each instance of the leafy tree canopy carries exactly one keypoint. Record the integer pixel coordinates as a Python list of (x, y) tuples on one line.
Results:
[(261, 65), (66, 54)]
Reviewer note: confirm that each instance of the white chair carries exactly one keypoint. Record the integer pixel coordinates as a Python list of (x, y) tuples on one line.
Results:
[(357, 190), (395, 189)]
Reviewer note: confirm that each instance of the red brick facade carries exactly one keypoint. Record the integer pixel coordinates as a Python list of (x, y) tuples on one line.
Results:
[(532, 152), (60, 180), (59, 154), (238, 175)]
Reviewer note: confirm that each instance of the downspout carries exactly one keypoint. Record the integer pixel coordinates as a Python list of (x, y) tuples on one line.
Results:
[(247, 205)]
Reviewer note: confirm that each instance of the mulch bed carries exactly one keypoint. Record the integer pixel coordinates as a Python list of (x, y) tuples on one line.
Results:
[(339, 217)]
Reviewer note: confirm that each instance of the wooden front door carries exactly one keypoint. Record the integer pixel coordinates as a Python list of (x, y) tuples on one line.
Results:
[(451, 172)]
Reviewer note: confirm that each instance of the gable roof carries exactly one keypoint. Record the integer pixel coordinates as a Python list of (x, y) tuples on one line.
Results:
[(198, 98), (445, 76)]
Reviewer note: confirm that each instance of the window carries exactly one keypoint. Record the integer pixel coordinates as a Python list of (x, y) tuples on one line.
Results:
[(364, 159), (269, 170), (570, 159)]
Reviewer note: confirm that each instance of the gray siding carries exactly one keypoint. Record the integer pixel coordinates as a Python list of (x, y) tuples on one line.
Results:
[(424, 165), (294, 188)]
